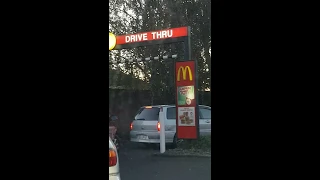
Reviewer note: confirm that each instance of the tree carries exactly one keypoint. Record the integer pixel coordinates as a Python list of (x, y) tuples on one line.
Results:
[(139, 16)]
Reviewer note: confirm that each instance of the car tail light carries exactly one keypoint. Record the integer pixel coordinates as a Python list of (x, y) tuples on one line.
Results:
[(131, 126), (158, 126), (112, 158)]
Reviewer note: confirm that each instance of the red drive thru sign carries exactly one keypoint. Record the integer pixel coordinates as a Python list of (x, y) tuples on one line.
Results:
[(152, 35), (186, 102)]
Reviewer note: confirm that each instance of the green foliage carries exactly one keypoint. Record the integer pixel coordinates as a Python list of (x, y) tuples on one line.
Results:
[(127, 81), (203, 143)]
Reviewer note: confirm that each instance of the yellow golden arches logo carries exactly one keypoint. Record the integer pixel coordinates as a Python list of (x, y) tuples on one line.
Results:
[(184, 73), (112, 41)]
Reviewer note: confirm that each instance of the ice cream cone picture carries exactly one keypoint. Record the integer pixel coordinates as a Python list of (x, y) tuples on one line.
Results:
[(188, 101), (185, 95)]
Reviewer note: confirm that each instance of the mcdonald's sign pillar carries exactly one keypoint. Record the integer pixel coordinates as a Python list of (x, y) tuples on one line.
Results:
[(186, 102)]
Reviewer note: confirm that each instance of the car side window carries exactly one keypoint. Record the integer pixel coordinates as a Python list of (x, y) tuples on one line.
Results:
[(171, 113), (206, 113)]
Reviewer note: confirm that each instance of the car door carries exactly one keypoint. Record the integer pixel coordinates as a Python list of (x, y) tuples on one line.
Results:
[(205, 120), (170, 121)]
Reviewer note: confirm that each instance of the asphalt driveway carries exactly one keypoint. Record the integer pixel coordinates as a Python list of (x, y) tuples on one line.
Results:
[(138, 163)]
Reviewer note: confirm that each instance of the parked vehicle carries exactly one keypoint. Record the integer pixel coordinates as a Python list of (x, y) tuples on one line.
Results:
[(114, 171), (145, 128)]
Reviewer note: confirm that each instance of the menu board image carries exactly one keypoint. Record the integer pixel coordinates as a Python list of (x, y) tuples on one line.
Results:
[(185, 95), (186, 116)]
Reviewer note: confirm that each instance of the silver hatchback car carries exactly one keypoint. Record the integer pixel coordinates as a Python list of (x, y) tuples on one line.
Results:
[(114, 171), (145, 127)]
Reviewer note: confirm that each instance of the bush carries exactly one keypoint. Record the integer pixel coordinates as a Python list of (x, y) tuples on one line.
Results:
[(203, 143)]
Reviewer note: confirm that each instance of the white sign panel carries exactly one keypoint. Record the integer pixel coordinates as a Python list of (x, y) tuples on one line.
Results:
[(186, 116)]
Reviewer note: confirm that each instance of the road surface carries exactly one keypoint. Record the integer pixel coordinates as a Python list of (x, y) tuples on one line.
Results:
[(137, 163)]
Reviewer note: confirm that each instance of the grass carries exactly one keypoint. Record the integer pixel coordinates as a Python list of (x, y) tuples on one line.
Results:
[(199, 147), (203, 143)]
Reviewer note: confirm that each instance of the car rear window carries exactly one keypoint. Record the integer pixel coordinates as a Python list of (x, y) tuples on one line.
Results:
[(171, 113), (149, 114)]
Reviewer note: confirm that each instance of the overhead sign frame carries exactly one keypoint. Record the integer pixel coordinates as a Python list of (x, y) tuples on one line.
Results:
[(173, 35)]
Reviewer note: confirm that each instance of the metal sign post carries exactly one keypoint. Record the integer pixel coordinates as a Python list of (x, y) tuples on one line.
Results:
[(162, 131)]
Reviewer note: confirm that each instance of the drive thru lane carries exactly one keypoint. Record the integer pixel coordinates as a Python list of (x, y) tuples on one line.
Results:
[(138, 163)]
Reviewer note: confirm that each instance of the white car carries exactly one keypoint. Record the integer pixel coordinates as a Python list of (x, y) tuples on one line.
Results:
[(145, 128), (114, 171)]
